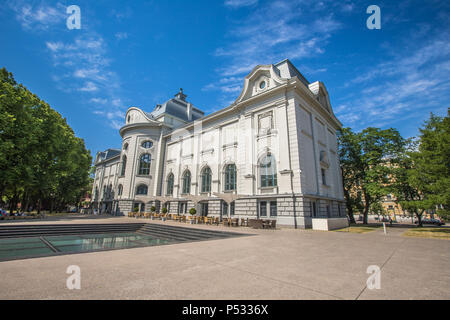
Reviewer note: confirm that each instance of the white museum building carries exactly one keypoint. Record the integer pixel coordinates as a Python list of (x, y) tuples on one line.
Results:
[(271, 154)]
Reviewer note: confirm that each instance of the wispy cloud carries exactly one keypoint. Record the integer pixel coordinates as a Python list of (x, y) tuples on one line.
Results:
[(121, 35), (240, 3), (81, 59), (413, 82), (38, 17), (272, 32)]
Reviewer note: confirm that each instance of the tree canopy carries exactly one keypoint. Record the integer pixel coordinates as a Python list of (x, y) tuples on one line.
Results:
[(377, 162), (366, 160), (42, 162)]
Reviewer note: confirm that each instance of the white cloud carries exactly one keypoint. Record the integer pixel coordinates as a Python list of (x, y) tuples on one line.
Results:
[(239, 3), (272, 32), (38, 17), (99, 100), (89, 87), (54, 46), (121, 35), (414, 82), (80, 59)]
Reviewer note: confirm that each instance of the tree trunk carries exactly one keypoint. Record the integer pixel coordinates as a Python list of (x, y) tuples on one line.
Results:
[(350, 215), (419, 217), (366, 208)]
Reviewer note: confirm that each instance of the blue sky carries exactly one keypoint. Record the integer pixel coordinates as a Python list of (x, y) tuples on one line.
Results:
[(139, 53)]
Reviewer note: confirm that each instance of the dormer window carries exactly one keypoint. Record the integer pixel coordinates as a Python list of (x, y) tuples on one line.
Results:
[(147, 144), (262, 85)]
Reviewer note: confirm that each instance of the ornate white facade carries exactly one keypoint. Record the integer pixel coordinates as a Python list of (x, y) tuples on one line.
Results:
[(270, 154)]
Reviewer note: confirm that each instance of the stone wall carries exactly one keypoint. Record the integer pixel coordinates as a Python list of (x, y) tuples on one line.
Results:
[(125, 206), (246, 208)]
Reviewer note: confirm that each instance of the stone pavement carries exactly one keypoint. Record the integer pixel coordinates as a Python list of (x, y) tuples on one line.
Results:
[(272, 264)]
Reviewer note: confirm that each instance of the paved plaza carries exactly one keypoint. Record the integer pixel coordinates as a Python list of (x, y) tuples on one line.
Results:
[(270, 264)]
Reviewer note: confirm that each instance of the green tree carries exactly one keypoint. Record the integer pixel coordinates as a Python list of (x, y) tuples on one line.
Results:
[(422, 177), (41, 160), (366, 159)]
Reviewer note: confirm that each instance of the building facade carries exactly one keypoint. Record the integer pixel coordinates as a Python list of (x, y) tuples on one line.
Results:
[(271, 154)]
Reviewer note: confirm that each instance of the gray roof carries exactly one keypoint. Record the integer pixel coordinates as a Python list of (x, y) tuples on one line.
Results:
[(287, 70), (108, 154), (178, 107)]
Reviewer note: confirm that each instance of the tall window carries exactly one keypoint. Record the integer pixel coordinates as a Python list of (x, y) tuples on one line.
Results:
[(224, 209), (142, 189), (186, 182), (268, 171), (273, 208), (119, 190), (144, 164), (263, 209), (230, 177), (124, 165), (170, 180), (324, 176), (206, 180)]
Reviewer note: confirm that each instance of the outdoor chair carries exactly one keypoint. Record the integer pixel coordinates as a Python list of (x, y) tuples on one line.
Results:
[(244, 222), (216, 221), (274, 224), (235, 222), (255, 223), (226, 222), (269, 224)]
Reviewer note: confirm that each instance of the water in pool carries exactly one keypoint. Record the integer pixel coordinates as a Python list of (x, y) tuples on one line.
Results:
[(18, 248)]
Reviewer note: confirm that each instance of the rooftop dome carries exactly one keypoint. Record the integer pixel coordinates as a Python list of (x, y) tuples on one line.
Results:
[(177, 107)]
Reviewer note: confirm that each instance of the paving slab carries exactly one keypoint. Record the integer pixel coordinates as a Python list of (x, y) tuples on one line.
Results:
[(270, 264)]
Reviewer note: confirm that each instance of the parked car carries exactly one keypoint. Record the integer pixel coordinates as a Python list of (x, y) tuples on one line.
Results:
[(431, 221)]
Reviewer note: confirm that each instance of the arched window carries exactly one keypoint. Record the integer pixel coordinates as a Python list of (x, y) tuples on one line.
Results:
[(125, 146), (124, 165), (144, 164), (186, 182), (268, 171), (206, 179), (96, 193), (119, 190), (170, 181), (142, 189), (230, 177), (147, 144)]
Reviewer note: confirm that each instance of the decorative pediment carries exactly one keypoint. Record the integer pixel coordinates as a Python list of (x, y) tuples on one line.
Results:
[(321, 94), (259, 80)]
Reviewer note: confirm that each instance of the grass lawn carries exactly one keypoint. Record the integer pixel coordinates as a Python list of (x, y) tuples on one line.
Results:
[(435, 233), (359, 228)]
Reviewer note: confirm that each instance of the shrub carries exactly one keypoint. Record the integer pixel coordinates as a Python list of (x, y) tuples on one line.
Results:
[(164, 210), (192, 211), (153, 209)]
